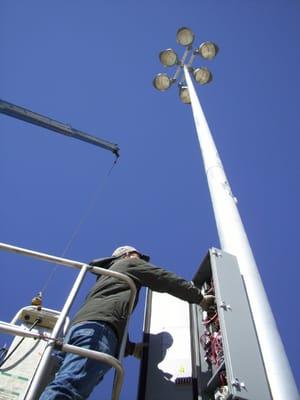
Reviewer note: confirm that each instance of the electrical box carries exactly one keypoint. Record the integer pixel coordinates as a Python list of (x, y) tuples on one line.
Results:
[(217, 348), (227, 361)]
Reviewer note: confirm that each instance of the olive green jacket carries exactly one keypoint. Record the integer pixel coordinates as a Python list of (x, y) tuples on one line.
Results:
[(108, 299)]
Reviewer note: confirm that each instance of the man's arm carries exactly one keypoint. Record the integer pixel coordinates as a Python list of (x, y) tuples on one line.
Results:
[(161, 280)]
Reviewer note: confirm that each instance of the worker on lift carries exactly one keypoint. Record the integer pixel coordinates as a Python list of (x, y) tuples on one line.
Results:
[(99, 324)]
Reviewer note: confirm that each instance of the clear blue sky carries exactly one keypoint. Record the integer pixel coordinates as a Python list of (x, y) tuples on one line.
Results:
[(91, 64)]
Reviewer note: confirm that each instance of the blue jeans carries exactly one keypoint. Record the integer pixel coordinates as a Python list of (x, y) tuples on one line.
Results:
[(77, 375)]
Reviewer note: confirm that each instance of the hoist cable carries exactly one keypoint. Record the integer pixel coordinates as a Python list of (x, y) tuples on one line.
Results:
[(90, 207), (82, 220)]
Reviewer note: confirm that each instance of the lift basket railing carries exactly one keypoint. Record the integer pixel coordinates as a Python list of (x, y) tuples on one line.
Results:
[(13, 329)]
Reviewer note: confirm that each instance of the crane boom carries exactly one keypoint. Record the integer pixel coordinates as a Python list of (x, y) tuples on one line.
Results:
[(37, 119)]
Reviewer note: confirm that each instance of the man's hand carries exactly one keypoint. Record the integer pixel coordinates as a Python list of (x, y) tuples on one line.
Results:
[(207, 301), (138, 350)]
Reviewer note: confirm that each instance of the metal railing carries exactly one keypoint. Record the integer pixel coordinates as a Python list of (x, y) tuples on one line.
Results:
[(11, 328)]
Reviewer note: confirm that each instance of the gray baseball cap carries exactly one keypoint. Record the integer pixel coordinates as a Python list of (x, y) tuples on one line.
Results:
[(120, 251)]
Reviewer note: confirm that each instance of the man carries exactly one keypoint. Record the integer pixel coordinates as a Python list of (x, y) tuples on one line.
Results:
[(99, 324)]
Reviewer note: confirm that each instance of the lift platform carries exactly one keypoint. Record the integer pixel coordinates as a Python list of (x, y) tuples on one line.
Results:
[(24, 375)]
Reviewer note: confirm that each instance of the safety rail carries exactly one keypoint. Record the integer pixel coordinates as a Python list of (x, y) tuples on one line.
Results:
[(52, 339)]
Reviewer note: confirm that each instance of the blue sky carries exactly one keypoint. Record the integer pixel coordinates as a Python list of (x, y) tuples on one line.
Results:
[(91, 64)]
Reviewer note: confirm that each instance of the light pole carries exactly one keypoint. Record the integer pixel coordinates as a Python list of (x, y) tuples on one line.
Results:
[(232, 235)]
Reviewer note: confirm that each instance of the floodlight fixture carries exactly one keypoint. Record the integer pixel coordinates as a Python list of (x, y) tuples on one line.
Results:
[(162, 82), (202, 75), (168, 57), (184, 94), (185, 36), (208, 50)]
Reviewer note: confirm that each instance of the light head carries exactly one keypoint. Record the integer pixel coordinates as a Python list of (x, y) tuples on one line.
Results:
[(168, 58), (185, 36), (162, 82)]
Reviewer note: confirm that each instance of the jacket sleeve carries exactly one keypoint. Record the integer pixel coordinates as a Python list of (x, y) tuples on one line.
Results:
[(160, 280)]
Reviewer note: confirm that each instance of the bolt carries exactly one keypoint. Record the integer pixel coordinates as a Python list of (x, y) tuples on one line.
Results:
[(216, 253), (239, 385), (225, 306)]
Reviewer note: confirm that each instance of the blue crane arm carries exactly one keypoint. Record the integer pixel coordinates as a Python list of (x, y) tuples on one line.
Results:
[(37, 119)]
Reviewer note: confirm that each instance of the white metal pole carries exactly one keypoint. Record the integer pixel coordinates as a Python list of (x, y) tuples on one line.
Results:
[(234, 240)]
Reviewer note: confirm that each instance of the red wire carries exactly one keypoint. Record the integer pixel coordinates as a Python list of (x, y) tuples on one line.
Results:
[(210, 320)]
